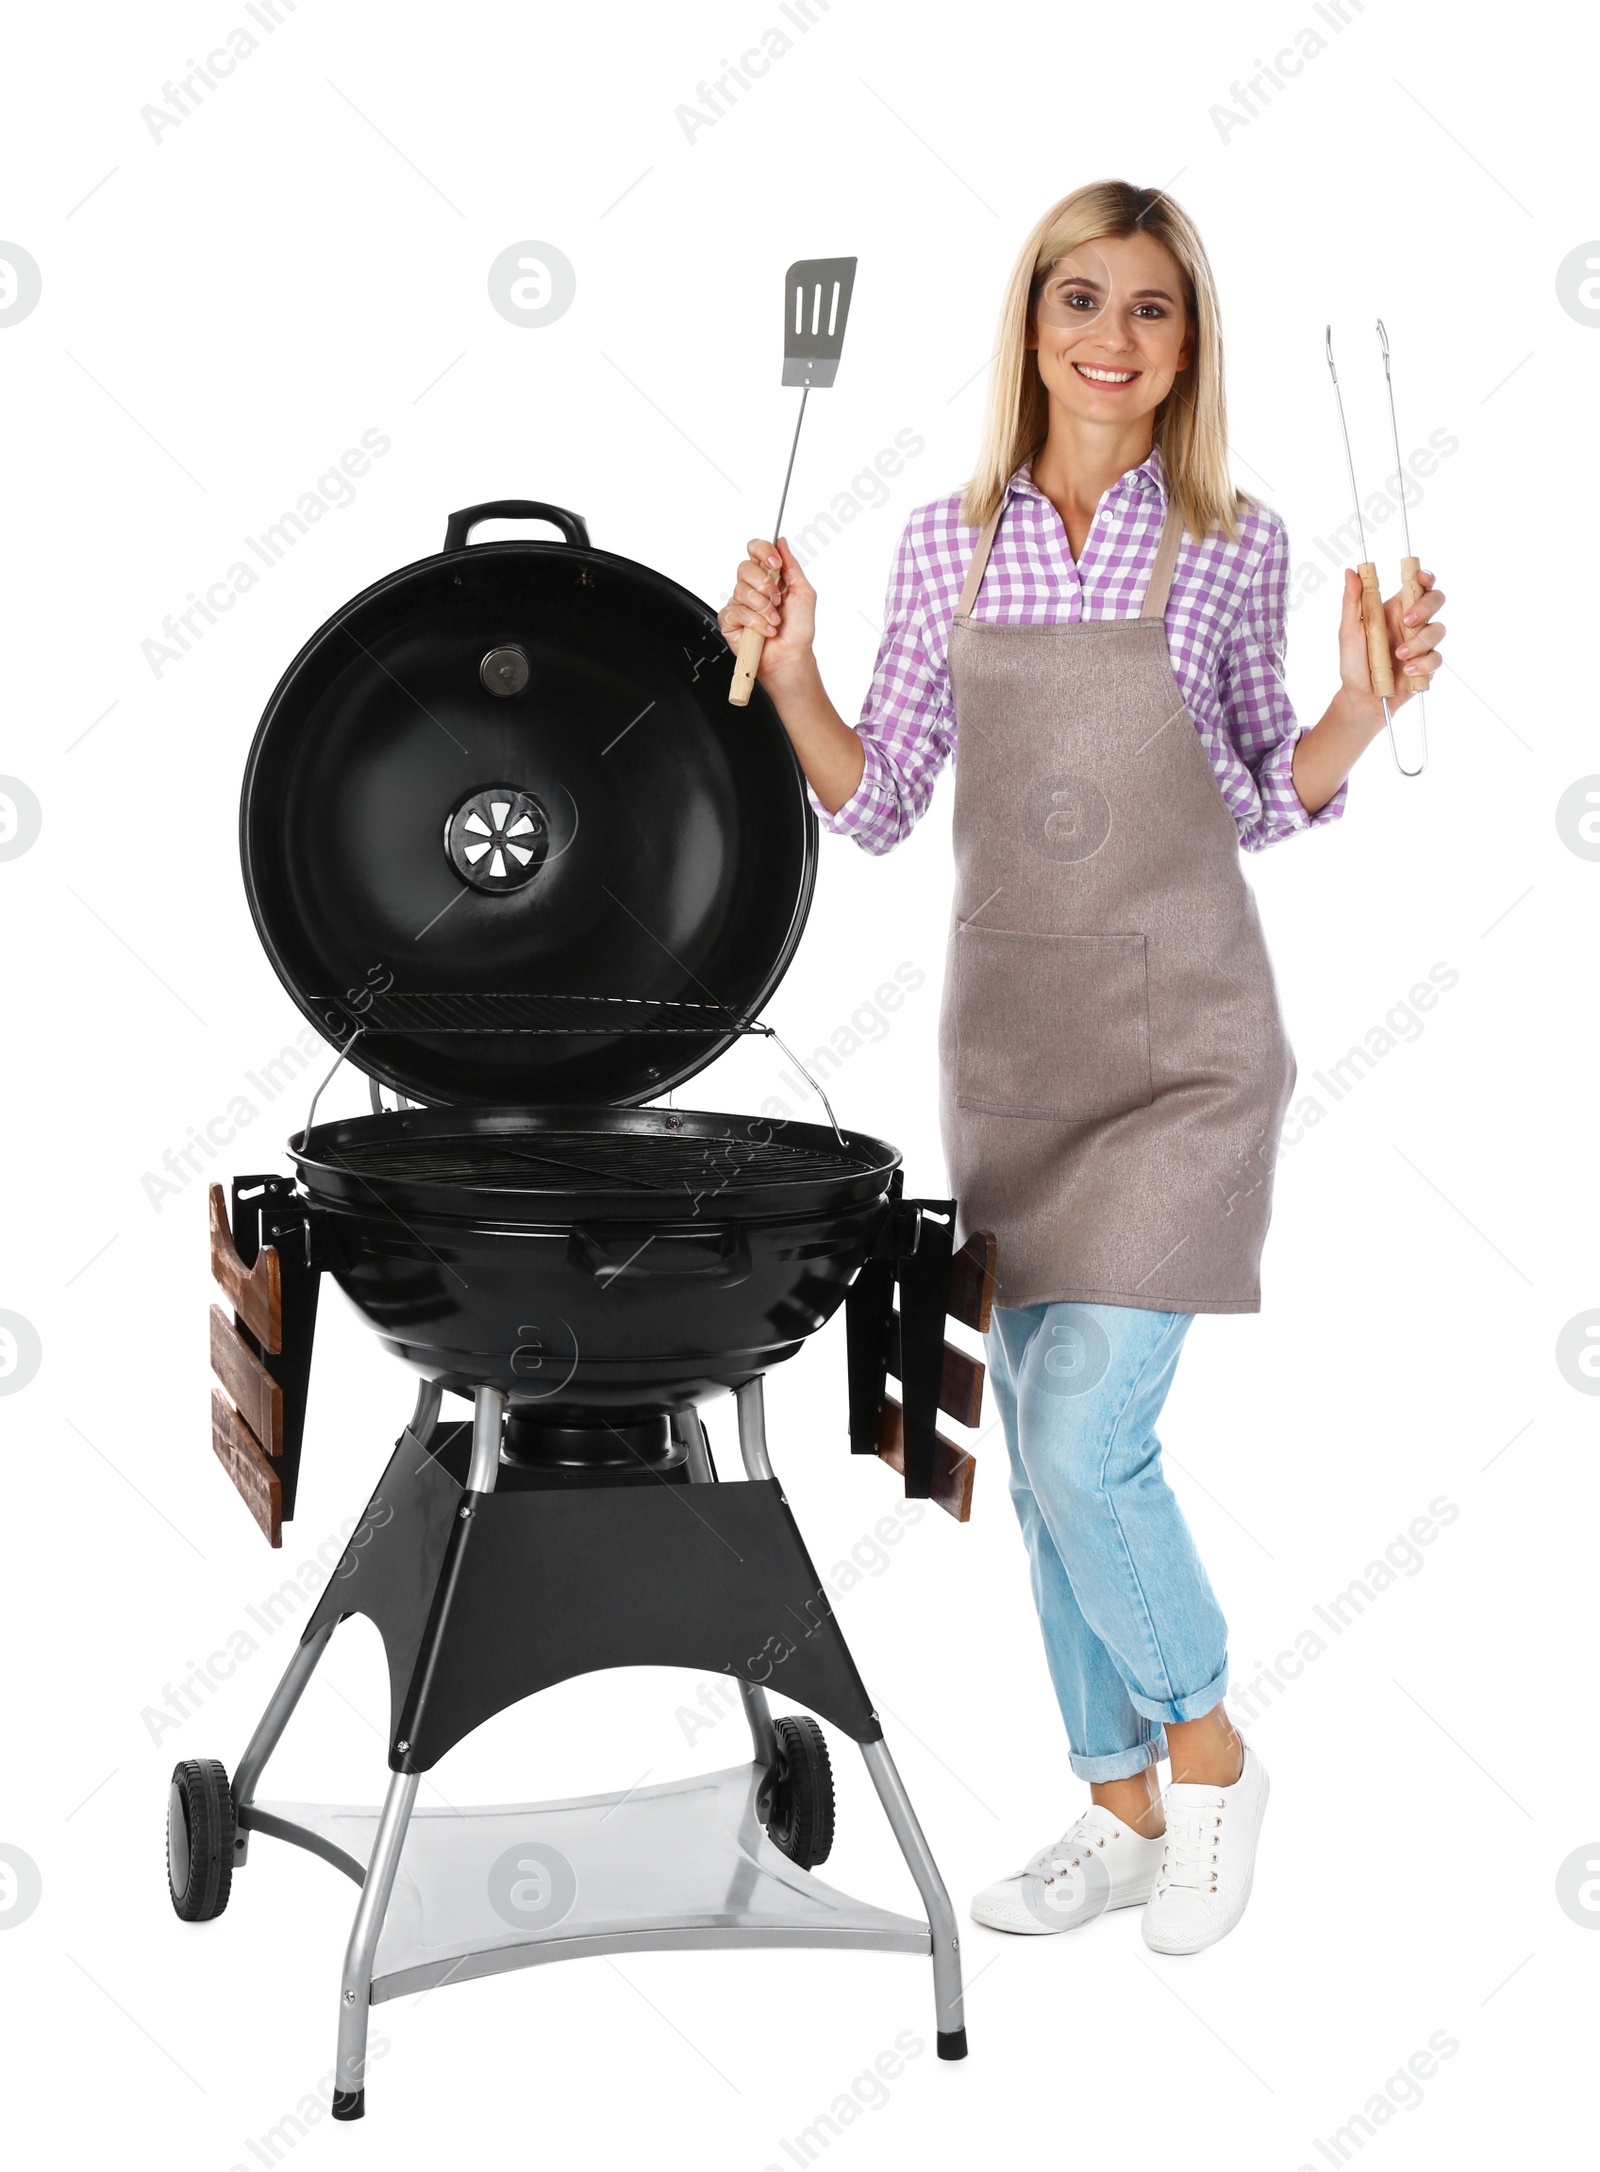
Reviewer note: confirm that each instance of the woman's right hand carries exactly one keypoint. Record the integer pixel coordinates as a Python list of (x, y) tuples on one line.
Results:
[(770, 591)]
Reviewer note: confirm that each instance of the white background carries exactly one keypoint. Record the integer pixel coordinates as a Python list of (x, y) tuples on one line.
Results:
[(224, 312)]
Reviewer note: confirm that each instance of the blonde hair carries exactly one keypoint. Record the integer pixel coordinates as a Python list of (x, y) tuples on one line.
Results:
[(1190, 425)]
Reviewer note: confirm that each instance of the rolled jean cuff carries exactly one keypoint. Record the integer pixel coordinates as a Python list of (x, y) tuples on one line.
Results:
[(1120, 1764), (1194, 1706)]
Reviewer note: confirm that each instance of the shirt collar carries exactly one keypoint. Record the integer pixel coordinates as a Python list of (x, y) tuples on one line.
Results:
[(1148, 479)]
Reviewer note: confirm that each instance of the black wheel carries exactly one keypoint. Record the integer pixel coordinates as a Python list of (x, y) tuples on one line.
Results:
[(800, 1819), (199, 1839)]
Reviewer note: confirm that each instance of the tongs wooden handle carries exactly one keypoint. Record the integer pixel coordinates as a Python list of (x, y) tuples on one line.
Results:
[(1379, 663), (1412, 591)]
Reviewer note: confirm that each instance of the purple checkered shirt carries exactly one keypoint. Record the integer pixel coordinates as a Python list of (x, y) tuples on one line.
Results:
[(1225, 629)]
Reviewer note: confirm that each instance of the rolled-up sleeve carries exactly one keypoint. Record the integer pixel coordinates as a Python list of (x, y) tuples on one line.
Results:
[(906, 725), (1254, 701)]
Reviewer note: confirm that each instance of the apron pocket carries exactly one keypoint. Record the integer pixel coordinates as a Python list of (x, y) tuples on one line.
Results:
[(1051, 1026)]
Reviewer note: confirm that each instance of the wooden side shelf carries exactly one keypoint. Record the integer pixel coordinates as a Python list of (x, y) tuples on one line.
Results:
[(257, 1291), (953, 1471), (240, 1454), (262, 1260), (960, 1381), (972, 1281), (936, 1285), (258, 1395)]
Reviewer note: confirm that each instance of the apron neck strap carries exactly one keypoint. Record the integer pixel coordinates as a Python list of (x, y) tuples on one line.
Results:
[(1160, 581), (980, 559), (1156, 588)]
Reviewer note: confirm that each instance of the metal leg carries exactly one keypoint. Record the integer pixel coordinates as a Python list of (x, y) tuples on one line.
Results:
[(269, 1729), (697, 1452), (756, 1709), (488, 1407), (355, 1989), (280, 1710), (952, 2034), (753, 1430), (758, 1712), (423, 1419)]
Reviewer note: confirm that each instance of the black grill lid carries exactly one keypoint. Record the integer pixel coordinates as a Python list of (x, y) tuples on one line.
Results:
[(506, 840)]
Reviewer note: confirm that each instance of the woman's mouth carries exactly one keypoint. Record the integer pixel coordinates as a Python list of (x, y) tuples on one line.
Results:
[(1113, 380)]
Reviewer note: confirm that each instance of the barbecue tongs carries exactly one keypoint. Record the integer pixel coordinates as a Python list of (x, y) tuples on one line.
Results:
[(1379, 662)]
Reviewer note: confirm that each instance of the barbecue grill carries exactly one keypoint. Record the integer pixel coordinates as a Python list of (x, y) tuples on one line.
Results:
[(512, 852)]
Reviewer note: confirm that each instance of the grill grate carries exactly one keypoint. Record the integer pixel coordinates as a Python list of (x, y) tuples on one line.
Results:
[(485, 1011), (607, 1161)]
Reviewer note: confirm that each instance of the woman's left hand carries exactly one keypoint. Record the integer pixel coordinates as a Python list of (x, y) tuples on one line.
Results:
[(1414, 637)]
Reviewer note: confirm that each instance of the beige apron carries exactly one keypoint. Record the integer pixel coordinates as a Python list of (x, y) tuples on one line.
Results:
[(1114, 1068)]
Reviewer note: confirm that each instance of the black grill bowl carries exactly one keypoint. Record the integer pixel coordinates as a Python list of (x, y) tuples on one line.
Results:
[(590, 1259)]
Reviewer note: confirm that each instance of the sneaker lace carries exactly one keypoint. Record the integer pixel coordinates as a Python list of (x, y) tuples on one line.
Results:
[(1079, 1840), (1190, 1849)]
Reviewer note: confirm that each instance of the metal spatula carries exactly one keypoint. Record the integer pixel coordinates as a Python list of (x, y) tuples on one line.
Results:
[(816, 302)]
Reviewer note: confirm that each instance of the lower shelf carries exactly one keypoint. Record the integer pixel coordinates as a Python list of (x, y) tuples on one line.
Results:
[(686, 1864)]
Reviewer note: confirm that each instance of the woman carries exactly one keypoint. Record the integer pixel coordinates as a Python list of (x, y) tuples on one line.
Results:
[(1098, 620)]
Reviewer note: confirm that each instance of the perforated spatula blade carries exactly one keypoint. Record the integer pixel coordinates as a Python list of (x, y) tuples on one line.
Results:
[(816, 303)]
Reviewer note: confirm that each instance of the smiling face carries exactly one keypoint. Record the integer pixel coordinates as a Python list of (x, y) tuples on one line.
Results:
[(1110, 328)]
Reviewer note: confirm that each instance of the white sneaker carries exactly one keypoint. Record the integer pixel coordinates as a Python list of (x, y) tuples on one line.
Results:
[(1208, 1860), (1098, 1863)]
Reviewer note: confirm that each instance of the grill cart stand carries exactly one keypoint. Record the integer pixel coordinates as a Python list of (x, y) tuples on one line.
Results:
[(484, 1588)]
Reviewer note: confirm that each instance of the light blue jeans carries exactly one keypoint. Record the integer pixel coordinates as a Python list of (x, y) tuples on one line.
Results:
[(1133, 1633)]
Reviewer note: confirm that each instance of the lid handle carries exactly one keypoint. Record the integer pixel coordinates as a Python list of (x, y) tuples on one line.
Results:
[(458, 532)]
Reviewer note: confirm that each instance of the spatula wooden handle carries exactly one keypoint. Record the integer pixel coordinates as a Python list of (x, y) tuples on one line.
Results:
[(1379, 664), (751, 643), (1412, 591)]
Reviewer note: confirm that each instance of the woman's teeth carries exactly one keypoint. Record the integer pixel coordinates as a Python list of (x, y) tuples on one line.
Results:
[(1105, 377)]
